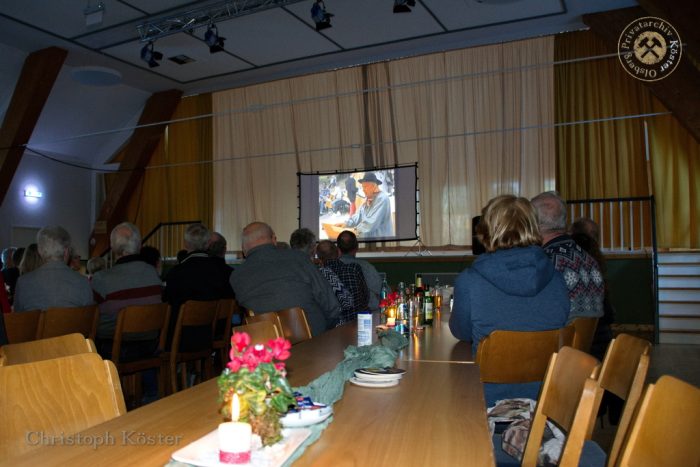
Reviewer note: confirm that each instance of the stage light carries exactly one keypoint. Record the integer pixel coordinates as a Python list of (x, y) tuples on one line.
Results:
[(150, 56), (213, 40), (320, 16), (402, 6)]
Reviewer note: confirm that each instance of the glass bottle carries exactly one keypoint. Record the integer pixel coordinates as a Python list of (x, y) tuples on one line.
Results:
[(428, 306)]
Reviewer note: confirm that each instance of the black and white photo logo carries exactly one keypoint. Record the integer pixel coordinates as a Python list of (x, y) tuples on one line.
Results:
[(649, 48)]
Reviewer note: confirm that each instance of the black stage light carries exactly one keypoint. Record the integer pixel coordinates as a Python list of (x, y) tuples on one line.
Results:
[(214, 40), (401, 6), (150, 56), (320, 16)]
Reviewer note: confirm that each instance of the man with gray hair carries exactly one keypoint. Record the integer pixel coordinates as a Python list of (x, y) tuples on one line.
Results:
[(198, 277), (130, 281), (580, 270), (271, 279), (54, 284)]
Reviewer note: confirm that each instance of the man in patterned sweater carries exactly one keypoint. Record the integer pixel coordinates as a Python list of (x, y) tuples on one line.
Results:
[(349, 274), (580, 270)]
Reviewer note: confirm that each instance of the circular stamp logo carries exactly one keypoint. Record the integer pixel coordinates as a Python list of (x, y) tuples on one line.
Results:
[(649, 48)]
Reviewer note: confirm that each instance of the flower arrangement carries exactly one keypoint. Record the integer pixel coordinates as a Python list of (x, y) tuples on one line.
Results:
[(390, 300), (257, 374)]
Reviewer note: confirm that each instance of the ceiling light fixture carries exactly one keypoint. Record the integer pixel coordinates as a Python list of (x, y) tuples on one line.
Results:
[(94, 14), (320, 16), (150, 56), (214, 40), (402, 6)]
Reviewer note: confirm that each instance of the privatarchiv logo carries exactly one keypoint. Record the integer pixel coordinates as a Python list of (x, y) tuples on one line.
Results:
[(649, 48)]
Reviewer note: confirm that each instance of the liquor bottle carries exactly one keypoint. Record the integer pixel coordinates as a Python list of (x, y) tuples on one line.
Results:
[(401, 312), (385, 290), (437, 296), (428, 306), (419, 281)]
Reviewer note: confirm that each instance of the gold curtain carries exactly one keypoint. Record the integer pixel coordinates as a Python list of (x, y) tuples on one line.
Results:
[(177, 183), (608, 159), (459, 114)]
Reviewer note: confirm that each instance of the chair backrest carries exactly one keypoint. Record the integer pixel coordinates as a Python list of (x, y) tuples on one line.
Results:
[(259, 332), (194, 313), (295, 327), (623, 373), (584, 331), (665, 430), (570, 396), (270, 316), (61, 321), (22, 326), (516, 356), (225, 309), (45, 349), (141, 319), (53, 397)]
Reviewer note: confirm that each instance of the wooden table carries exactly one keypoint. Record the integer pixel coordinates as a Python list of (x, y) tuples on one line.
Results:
[(436, 415)]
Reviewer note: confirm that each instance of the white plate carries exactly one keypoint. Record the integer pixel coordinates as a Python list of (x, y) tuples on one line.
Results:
[(205, 451), (306, 417), (370, 377), (375, 384)]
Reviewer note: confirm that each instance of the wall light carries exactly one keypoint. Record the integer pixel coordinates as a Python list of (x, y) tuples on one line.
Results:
[(32, 192)]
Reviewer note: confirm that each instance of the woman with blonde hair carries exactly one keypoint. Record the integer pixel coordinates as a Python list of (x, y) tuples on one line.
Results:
[(513, 286)]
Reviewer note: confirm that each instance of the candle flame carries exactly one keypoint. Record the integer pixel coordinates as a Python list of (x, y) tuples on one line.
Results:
[(235, 408)]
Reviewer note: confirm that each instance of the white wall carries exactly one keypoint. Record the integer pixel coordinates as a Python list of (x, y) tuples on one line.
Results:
[(66, 201)]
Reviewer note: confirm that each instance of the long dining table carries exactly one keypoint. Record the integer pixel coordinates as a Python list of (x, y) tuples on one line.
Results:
[(435, 416)]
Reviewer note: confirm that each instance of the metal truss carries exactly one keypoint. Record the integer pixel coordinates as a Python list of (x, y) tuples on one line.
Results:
[(205, 16)]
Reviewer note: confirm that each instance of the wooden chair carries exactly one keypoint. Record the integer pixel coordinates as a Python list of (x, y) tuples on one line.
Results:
[(623, 373), (259, 332), (295, 327), (55, 397), (665, 430), (225, 309), (271, 316), (61, 321), (192, 313), (140, 319), (45, 349), (23, 326), (584, 331), (516, 356)]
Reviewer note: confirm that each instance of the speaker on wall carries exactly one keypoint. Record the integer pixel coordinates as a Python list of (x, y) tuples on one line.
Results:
[(477, 247)]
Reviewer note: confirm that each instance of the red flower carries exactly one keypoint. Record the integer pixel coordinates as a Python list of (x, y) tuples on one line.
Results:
[(235, 364), (279, 366), (262, 353), (280, 348), (240, 340)]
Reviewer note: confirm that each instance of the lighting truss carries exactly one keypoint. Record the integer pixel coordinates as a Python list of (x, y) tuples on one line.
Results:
[(205, 16)]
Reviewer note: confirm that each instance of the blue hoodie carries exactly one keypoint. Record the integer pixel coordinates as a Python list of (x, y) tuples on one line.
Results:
[(515, 290)]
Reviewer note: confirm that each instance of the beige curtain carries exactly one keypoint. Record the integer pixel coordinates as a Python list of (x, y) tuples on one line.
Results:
[(477, 121)]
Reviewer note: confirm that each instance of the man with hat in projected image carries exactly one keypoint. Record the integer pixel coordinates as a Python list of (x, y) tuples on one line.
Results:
[(373, 219)]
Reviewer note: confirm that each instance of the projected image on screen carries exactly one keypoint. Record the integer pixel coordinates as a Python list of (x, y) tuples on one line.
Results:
[(375, 204)]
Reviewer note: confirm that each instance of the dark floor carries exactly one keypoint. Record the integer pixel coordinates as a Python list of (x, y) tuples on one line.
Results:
[(681, 361)]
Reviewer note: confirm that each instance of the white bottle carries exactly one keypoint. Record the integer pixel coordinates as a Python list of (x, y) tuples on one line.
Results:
[(364, 328)]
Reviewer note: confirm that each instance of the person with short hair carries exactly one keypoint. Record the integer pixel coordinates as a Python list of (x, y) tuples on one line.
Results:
[(512, 287), (373, 219), (271, 279), (217, 245), (197, 277), (348, 246), (579, 269), (95, 265), (54, 284), (130, 281), (30, 259), (350, 274)]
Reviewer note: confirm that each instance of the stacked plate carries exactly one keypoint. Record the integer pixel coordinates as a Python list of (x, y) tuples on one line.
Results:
[(377, 377)]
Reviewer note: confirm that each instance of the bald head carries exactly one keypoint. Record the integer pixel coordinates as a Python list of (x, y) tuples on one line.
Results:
[(256, 234), (551, 214)]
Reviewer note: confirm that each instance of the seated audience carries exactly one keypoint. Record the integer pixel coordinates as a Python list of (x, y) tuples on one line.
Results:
[(151, 255), (94, 265), (347, 243), (197, 277), (30, 260), (74, 261), (350, 274), (217, 246), (513, 286), (271, 279), (580, 270), (304, 241), (130, 281), (4, 301), (10, 271), (54, 284)]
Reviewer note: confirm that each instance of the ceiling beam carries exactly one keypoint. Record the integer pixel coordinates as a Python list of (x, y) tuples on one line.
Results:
[(34, 85), (679, 91), (160, 107)]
